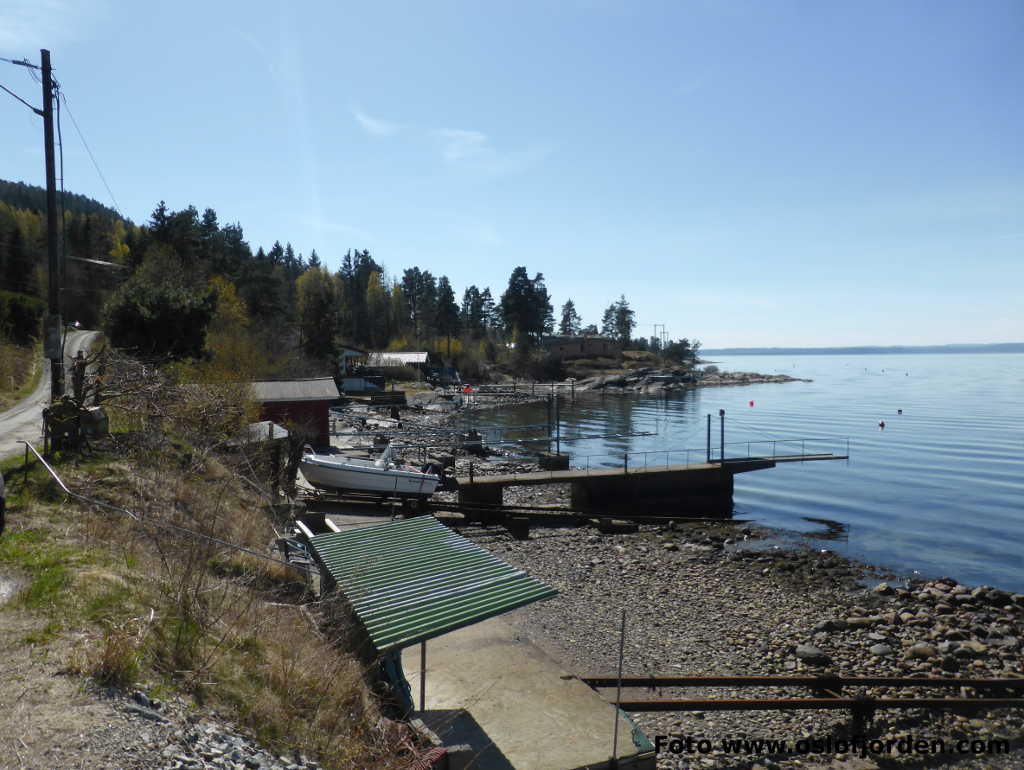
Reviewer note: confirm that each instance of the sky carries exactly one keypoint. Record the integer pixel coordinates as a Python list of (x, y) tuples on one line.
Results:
[(747, 173)]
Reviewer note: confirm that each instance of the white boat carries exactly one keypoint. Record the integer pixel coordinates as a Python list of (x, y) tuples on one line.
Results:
[(351, 474)]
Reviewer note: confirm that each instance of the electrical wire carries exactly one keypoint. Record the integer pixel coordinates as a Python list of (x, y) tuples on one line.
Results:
[(141, 517), (91, 156), (36, 111)]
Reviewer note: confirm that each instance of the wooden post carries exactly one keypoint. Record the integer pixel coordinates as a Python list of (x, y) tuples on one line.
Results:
[(55, 327)]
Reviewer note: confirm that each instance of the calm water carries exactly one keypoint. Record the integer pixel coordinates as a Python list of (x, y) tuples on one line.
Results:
[(939, 491)]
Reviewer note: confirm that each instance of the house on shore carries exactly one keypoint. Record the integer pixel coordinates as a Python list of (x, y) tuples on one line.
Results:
[(563, 346), (304, 402), (429, 366), (393, 359)]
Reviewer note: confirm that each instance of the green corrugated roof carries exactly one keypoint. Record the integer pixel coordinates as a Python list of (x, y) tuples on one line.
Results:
[(415, 579)]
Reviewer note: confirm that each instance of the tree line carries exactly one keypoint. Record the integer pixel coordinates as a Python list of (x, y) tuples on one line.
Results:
[(185, 286)]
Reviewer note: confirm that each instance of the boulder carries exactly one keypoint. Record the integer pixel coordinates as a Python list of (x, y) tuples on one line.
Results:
[(922, 651), (811, 655)]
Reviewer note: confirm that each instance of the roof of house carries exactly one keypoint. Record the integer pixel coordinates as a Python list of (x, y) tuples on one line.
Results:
[(390, 358), (311, 389), (554, 339), (409, 581)]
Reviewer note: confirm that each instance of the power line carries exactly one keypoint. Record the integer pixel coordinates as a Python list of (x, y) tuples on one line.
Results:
[(96, 165), (36, 111), (21, 63)]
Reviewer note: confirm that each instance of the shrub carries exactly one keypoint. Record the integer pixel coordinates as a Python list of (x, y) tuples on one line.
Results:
[(20, 316)]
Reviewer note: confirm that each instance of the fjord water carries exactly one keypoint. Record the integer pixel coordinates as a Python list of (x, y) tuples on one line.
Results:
[(939, 491)]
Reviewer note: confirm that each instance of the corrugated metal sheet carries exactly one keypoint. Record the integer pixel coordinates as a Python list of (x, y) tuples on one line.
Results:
[(389, 358), (314, 389), (416, 579)]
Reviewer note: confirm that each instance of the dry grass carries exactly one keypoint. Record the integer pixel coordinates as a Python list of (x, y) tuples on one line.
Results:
[(20, 370), (226, 628)]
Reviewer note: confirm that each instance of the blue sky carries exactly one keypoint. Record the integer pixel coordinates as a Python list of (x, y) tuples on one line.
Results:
[(745, 172)]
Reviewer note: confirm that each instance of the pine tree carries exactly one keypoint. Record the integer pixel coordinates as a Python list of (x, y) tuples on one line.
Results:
[(447, 318), (525, 305), (317, 299), (377, 302), (624, 322), (570, 324)]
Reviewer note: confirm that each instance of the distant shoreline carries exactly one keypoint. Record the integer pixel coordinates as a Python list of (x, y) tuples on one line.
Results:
[(1000, 347)]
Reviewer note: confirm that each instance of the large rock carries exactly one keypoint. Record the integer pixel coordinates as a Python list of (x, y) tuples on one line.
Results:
[(922, 651), (833, 624), (811, 655)]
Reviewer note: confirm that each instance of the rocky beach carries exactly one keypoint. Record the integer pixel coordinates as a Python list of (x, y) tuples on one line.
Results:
[(649, 380), (728, 598)]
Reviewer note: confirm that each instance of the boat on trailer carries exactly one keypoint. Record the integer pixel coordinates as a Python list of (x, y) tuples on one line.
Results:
[(337, 473)]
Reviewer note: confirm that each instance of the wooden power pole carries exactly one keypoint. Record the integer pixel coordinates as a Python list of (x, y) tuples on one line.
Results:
[(54, 326)]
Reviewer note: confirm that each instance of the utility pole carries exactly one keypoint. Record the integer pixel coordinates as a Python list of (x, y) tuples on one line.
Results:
[(54, 327)]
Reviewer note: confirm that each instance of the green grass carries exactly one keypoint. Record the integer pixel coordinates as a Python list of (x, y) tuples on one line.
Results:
[(45, 565)]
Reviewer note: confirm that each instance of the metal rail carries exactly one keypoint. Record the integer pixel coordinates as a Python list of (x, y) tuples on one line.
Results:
[(544, 512), (142, 518), (816, 682), (862, 707), (861, 703)]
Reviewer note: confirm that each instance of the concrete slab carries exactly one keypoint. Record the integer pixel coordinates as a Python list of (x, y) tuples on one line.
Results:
[(515, 706)]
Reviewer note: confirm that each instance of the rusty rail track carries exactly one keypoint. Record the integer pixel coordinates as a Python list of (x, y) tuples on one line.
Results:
[(827, 691)]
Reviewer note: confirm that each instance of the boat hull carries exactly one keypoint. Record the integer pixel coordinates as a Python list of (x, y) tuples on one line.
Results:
[(348, 475)]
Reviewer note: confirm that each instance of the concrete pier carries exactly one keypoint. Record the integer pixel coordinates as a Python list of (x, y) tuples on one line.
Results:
[(704, 487)]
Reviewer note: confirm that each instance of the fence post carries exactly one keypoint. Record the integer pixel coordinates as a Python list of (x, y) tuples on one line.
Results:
[(625, 460)]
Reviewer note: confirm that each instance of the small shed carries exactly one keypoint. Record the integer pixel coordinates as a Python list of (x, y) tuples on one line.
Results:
[(412, 580), (303, 402)]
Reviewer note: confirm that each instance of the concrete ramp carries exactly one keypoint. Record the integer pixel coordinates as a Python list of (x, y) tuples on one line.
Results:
[(515, 706)]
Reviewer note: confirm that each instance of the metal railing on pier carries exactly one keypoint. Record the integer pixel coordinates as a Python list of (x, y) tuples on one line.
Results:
[(641, 461)]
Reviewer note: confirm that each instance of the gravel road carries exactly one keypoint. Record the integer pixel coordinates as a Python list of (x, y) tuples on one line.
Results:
[(24, 419)]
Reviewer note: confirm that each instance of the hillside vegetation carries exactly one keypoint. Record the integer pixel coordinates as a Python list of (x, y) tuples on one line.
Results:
[(139, 587)]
